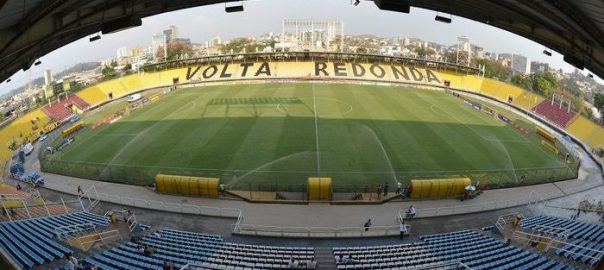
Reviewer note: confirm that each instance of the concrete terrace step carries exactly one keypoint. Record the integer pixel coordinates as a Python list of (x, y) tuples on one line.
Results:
[(324, 257)]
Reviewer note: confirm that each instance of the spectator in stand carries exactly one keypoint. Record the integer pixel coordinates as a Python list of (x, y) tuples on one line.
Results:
[(74, 260), (348, 260), (293, 264), (69, 265), (19, 186), (311, 264), (149, 251), (167, 266)]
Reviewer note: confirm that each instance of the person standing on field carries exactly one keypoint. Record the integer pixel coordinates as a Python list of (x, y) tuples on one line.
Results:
[(386, 189), (367, 225)]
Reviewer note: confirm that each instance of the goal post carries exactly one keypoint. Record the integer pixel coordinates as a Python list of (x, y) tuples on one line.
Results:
[(562, 101)]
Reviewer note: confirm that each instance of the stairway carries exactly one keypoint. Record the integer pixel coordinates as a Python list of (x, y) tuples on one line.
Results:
[(324, 257)]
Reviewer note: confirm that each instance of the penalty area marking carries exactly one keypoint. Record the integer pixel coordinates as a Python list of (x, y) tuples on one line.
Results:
[(434, 109)]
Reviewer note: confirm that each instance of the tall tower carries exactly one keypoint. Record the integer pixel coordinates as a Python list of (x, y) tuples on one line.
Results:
[(47, 77), (464, 50)]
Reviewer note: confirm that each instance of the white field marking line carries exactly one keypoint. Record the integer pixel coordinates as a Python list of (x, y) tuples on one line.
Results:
[(79, 142), (525, 141), (316, 131), (494, 140), (188, 108), (265, 165), (550, 155), (432, 107), (509, 158), (119, 153), (377, 139), (280, 106), (290, 171), (114, 135), (280, 109)]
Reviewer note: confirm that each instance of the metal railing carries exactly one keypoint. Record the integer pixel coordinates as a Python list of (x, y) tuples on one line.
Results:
[(315, 232), (29, 208), (90, 195), (503, 220), (132, 223), (169, 207), (99, 237), (479, 207), (448, 266), (71, 229), (559, 244)]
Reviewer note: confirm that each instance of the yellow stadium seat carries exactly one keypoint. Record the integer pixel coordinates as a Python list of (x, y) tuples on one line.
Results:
[(21, 128), (470, 83), (93, 95)]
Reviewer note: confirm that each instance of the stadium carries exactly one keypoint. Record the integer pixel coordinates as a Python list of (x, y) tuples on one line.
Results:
[(302, 160)]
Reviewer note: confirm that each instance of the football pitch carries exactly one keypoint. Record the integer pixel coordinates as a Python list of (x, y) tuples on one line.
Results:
[(258, 136)]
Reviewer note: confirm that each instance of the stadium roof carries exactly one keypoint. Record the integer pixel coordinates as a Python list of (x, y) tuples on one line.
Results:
[(30, 29)]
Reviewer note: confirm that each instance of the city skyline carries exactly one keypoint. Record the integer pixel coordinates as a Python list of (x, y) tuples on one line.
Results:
[(204, 23)]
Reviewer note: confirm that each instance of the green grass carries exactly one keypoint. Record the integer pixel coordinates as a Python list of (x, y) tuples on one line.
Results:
[(266, 136)]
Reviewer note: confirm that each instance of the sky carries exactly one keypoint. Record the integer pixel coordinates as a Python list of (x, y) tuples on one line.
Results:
[(264, 16)]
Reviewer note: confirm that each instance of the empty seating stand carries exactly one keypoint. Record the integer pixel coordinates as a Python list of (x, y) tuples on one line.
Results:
[(561, 116), (59, 111), (471, 248), (30, 242), (203, 250), (586, 236)]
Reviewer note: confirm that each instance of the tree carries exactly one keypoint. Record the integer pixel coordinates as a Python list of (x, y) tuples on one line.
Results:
[(570, 85), (599, 101), (108, 72), (423, 52), (159, 53), (522, 81), (544, 83), (178, 50)]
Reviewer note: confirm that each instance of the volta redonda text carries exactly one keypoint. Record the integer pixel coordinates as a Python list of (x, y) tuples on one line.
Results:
[(317, 69)]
